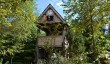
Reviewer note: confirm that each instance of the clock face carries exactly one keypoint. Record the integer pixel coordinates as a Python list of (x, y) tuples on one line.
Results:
[(50, 12)]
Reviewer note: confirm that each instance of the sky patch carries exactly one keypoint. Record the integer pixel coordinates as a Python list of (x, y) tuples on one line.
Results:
[(42, 4)]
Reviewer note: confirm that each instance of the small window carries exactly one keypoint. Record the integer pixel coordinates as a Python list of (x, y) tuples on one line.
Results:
[(49, 18)]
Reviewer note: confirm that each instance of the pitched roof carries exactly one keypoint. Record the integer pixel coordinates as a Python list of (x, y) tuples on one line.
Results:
[(53, 9)]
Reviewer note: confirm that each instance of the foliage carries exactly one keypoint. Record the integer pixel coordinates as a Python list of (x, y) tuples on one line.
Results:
[(28, 55), (86, 18), (62, 60), (1, 61), (17, 25)]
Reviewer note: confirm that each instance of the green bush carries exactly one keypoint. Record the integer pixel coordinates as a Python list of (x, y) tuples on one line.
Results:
[(17, 63), (1, 61), (63, 60)]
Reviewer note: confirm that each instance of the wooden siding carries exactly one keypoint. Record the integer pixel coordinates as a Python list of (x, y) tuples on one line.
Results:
[(55, 19)]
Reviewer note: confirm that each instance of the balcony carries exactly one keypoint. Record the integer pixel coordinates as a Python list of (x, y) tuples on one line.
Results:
[(50, 40)]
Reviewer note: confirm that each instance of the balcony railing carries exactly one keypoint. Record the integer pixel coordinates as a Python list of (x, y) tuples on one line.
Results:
[(50, 40)]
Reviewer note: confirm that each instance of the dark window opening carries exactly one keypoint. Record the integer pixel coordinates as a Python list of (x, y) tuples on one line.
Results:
[(49, 18)]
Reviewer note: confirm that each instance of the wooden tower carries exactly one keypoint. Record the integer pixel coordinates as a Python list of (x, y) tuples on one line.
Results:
[(51, 22)]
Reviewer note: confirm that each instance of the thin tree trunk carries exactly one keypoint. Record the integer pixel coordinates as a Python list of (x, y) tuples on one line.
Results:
[(10, 62), (92, 29)]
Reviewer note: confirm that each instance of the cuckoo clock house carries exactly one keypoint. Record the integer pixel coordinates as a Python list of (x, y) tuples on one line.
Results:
[(52, 23)]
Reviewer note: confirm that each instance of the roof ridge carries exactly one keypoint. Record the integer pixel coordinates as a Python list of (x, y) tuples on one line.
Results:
[(54, 10)]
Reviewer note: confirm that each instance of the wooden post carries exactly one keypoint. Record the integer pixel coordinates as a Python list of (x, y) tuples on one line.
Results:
[(66, 45), (37, 49)]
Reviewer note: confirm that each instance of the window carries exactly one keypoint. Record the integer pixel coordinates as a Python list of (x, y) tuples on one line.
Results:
[(49, 18)]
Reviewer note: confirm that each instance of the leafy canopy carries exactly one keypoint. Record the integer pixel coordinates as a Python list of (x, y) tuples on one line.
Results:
[(17, 25)]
